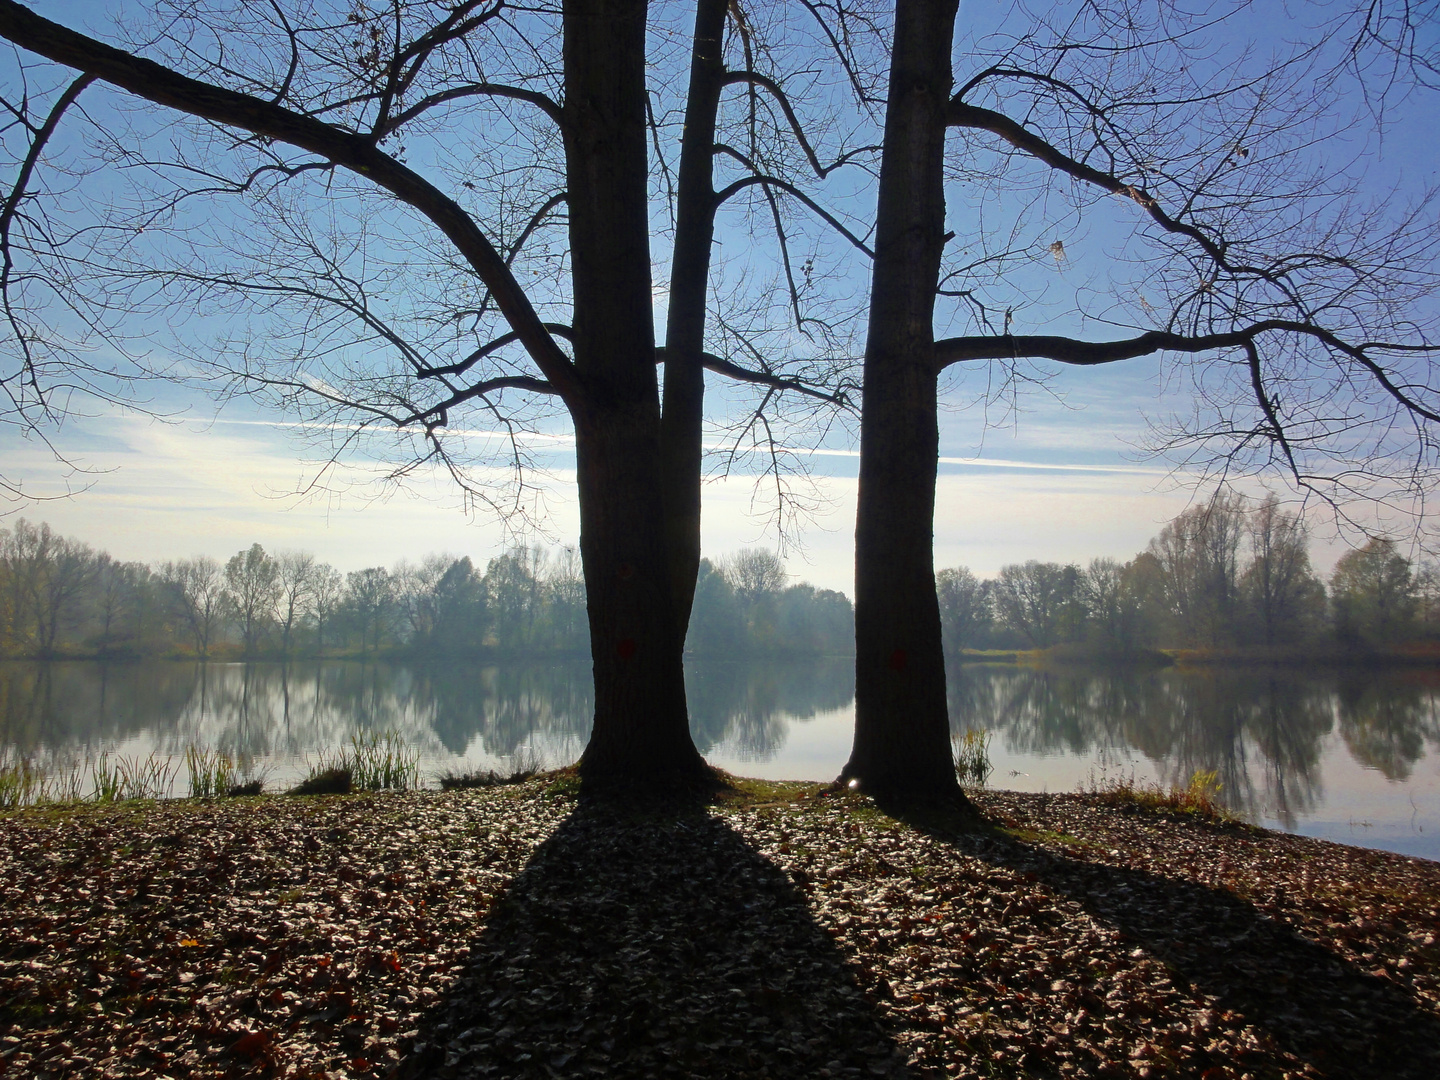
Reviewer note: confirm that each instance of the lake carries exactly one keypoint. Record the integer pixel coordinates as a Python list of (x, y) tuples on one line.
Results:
[(1348, 755)]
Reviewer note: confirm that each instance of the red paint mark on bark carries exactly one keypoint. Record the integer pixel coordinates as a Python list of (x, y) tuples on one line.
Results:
[(897, 660), (626, 648)]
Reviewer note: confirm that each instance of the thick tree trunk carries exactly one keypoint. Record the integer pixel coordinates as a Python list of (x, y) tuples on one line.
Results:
[(684, 399), (902, 729), (641, 736)]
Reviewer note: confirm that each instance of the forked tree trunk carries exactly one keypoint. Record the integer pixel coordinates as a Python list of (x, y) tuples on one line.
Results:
[(641, 736), (902, 729)]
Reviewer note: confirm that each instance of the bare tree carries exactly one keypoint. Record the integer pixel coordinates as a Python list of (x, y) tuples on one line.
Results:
[(371, 595), (1300, 312), (326, 594), (197, 589), (1038, 600), (296, 573), (441, 208), (1279, 584), (252, 582), (965, 607), (1199, 555)]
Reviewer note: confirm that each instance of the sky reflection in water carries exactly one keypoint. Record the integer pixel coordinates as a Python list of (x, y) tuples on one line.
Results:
[(1348, 755)]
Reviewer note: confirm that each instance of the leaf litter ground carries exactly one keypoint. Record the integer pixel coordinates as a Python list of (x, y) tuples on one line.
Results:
[(516, 932)]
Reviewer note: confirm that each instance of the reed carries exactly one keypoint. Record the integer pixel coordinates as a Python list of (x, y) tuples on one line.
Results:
[(21, 783), (123, 778), (381, 762), (972, 757), (212, 772)]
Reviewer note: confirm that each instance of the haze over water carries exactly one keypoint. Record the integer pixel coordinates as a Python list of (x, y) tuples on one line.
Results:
[(1352, 756)]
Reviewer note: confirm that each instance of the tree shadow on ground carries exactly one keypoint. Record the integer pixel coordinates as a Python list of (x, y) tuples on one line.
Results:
[(1311, 1002), (645, 944)]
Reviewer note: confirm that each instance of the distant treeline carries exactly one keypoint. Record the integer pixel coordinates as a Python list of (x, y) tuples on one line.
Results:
[(1225, 575), (1222, 576), (59, 597)]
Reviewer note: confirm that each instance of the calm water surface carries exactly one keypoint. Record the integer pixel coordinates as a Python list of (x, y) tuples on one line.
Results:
[(1351, 756)]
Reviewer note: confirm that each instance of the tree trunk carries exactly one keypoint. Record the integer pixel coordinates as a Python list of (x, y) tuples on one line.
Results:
[(641, 737), (684, 400), (902, 728)]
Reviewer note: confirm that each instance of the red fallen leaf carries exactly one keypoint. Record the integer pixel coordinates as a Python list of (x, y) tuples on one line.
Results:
[(392, 961), (251, 1045), (360, 1065)]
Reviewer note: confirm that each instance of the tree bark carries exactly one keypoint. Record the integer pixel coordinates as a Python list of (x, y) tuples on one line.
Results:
[(684, 388), (902, 729), (641, 736)]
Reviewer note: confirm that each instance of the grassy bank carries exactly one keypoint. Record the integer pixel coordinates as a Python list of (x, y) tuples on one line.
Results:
[(512, 931)]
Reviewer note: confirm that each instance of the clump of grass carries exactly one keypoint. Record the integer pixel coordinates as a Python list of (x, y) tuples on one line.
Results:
[(374, 762), (214, 772), (381, 762), (21, 783), (481, 778), (523, 766), (127, 778), (972, 757), (211, 771), (1197, 799), (325, 779)]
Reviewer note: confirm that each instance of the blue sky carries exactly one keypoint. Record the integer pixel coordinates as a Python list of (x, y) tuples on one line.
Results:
[(1058, 477)]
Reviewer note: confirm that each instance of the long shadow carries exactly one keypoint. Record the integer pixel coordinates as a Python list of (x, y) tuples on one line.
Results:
[(1311, 1001), (656, 945)]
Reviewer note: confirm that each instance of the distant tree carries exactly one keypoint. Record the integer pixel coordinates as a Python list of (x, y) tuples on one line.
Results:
[(370, 595), (116, 599), (327, 594), (511, 591), (565, 588), (1042, 601), (1374, 594), (1119, 598), (461, 616), (296, 579), (1427, 591), (814, 622), (1199, 553), (197, 590), (966, 608), (756, 574), (717, 623), (415, 594), (1278, 586), (252, 581)]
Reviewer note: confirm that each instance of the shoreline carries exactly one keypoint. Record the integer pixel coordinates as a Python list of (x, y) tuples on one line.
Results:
[(511, 931)]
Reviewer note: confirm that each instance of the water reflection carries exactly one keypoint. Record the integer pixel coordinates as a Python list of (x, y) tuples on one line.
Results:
[(1262, 730), (1273, 736)]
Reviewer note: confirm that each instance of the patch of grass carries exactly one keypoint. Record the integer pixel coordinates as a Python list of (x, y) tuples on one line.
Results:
[(21, 782), (747, 792), (211, 772), (373, 762), (381, 762), (524, 766), (325, 779), (481, 778), (1199, 799), (564, 784), (127, 778), (972, 757)]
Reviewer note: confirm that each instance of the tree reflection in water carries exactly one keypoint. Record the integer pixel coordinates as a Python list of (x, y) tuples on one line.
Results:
[(1264, 731)]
